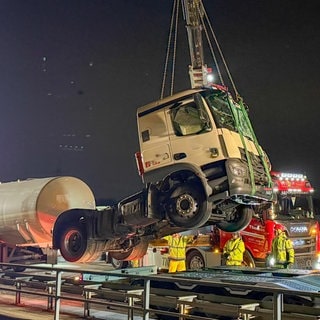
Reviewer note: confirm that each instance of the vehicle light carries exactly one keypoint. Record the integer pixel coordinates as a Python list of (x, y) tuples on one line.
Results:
[(313, 230), (298, 242), (164, 250), (272, 261), (237, 170), (292, 176), (210, 77), (78, 278)]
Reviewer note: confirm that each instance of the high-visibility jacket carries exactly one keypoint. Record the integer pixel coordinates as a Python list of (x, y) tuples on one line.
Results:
[(177, 246), (282, 249), (233, 251)]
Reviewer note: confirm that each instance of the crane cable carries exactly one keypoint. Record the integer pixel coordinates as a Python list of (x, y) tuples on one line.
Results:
[(236, 116), (209, 42), (173, 29), (174, 17), (218, 48), (239, 99)]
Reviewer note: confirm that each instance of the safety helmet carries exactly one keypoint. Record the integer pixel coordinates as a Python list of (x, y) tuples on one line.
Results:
[(279, 227)]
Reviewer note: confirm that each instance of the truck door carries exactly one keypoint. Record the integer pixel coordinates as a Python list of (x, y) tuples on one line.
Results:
[(255, 238), (154, 140)]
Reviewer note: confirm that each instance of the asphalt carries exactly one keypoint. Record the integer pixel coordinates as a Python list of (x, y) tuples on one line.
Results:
[(13, 312), (35, 309)]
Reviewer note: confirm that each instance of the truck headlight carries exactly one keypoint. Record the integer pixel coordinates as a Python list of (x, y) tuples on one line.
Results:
[(237, 169), (272, 261)]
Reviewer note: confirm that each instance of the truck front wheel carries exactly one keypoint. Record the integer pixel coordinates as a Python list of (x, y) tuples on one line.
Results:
[(236, 219), (248, 260), (134, 253), (187, 206), (118, 264)]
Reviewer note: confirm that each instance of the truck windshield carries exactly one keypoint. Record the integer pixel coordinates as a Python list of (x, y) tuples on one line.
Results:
[(228, 114), (189, 117), (296, 206)]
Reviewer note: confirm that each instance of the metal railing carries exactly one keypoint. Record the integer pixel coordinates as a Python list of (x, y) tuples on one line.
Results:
[(141, 299)]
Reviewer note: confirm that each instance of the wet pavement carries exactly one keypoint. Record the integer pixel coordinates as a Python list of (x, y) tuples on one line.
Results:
[(13, 312), (35, 309)]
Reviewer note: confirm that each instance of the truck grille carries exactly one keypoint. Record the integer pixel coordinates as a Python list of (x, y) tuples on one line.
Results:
[(299, 234), (260, 177)]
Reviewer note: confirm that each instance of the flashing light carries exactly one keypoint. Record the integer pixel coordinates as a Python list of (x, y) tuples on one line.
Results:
[(210, 77), (78, 278), (291, 183), (272, 261), (291, 176), (314, 230)]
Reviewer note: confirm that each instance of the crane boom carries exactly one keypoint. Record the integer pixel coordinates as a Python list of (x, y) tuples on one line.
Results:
[(193, 14)]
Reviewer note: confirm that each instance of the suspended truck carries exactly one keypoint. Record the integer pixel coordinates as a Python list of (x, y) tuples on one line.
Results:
[(200, 162)]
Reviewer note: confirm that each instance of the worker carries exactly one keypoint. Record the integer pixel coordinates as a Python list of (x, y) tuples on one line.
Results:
[(233, 250), (282, 249), (135, 263), (177, 251)]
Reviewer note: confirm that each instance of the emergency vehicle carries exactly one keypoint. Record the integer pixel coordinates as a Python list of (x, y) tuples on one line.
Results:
[(292, 208)]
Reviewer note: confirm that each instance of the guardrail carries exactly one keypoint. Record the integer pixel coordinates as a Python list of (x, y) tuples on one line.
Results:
[(143, 298)]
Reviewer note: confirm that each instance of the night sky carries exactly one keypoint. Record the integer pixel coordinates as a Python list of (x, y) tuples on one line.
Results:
[(73, 72)]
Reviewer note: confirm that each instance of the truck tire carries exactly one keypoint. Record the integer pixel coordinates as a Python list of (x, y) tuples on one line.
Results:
[(248, 260), (75, 247), (195, 260), (119, 264), (187, 206), (237, 219), (134, 253)]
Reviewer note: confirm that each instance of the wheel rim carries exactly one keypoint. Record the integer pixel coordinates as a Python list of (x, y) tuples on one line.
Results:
[(242, 217), (73, 242), (196, 263), (187, 206), (136, 252)]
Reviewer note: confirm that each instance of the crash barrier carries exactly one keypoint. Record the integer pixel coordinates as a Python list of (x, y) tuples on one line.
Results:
[(140, 291)]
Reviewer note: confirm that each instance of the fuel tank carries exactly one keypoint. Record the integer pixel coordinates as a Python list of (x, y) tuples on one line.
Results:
[(29, 208)]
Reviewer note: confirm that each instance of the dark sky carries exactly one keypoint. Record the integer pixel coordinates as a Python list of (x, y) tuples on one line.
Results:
[(73, 72)]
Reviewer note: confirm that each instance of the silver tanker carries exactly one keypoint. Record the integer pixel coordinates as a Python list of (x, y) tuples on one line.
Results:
[(29, 209)]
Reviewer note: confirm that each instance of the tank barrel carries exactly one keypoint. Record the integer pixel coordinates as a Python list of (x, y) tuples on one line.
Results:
[(29, 208)]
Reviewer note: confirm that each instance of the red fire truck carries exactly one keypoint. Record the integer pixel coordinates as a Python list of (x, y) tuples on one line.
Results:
[(292, 208)]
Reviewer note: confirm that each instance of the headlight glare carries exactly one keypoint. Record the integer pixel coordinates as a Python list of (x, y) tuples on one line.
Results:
[(237, 170)]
